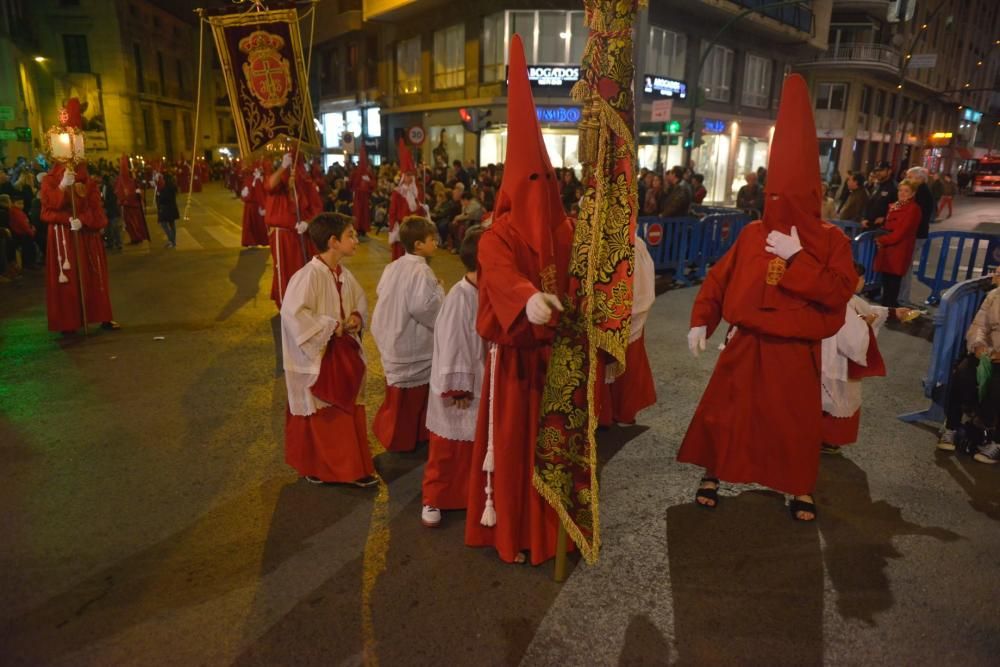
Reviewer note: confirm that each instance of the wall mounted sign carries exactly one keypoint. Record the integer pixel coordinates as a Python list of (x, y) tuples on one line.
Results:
[(553, 75), (664, 86), (565, 115), (714, 125)]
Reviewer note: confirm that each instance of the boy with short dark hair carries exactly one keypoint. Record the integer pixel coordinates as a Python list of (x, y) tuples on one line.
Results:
[(409, 297), (322, 314), (455, 387)]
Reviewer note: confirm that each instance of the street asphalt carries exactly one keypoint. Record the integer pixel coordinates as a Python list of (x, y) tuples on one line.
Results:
[(148, 517)]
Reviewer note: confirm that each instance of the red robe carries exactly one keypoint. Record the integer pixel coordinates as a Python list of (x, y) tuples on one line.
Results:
[(401, 420), (524, 520), (184, 178), (289, 249), (361, 190), (632, 391), (254, 229), (399, 209), (65, 247), (133, 215), (760, 417)]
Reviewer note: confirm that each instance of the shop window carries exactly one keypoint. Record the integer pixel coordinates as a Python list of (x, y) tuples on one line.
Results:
[(831, 96), (449, 57), (717, 74), (77, 53), (757, 82), (333, 129), (408, 66), (373, 121), (666, 53), (353, 122)]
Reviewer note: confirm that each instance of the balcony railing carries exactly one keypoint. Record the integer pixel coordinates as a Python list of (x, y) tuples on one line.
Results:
[(862, 54), (799, 17)]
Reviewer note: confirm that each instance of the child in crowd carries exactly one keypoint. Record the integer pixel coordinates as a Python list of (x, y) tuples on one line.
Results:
[(409, 298), (322, 316), (849, 356), (456, 382), (625, 394)]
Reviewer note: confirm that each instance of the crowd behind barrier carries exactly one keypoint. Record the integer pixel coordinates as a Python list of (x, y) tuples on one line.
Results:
[(955, 313), (951, 257)]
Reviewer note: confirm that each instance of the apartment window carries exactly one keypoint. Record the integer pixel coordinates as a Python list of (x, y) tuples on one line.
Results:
[(757, 82), (408, 66), (148, 131), (77, 53), (163, 78), (866, 99), (717, 75), (140, 80), (449, 57), (181, 85), (831, 96), (493, 45), (666, 53), (879, 102), (549, 37)]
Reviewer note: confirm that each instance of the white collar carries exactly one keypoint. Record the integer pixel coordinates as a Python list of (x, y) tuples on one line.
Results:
[(410, 257)]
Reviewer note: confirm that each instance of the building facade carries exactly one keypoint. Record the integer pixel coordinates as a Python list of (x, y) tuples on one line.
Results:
[(19, 99), (911, 90), (401, 65), (133, 66)]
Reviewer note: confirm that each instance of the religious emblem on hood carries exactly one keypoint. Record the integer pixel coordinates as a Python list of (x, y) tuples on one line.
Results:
[(266, 70)]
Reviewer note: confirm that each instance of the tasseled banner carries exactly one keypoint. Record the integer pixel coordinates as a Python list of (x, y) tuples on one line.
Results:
[(489, 518)]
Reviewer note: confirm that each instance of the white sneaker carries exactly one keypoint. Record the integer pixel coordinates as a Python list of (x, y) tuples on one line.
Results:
[(988, 453), (946, 442), (430, 516)]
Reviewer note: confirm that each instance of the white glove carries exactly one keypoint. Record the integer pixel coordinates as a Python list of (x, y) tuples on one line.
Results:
[(301, 227), (697, 339), (75, 224), (286, 161), (68, 179), (539, 307), (783, 245), (245, 192), (261, 211), (258, 175), (366, 178), (138, 191), (394, 235)]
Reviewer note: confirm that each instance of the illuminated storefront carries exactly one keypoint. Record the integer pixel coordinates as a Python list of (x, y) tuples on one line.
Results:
[(335, 126)]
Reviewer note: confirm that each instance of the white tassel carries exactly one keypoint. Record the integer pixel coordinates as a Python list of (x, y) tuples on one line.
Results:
[(66, 265), (61, 259), (489, 518)]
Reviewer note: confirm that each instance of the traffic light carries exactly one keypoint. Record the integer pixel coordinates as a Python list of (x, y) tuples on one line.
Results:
[(673, 127), (475, 120)]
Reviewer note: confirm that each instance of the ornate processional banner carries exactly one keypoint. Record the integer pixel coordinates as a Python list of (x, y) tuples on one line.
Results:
[(595, 327), (261, 57)]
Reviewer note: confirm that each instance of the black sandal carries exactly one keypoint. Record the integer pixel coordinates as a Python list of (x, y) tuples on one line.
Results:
[(708, 494), (795, 506)]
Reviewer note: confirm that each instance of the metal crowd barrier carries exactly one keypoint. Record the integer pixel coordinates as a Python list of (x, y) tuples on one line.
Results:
[(864, 248), (851, 228), (951, 257), (958, 307), (687, 247)]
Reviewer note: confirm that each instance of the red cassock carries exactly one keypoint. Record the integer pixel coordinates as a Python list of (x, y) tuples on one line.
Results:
[(760, 417), (69, 252), (632, 391), (184, 178), (399, 209), (361, 190), (289, 249), (895, 249), (134, 216), (254, 228), (401, 420), (514, 396), (446, 474)]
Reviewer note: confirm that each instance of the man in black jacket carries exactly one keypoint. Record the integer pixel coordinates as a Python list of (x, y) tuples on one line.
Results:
[(677, 201), (925, 200), (883, 195)]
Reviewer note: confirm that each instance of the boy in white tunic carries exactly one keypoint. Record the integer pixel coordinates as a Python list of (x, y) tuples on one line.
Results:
[(409, 298), (322, 315), (456, 382), (848, 357)]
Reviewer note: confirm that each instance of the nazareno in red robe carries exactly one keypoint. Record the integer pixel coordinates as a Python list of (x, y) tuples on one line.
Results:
[(254, 228), (399, 209), (760, 417), (65, 246), (281, 215), (632, 391), (361, 191), (524, 520), (131, 199)]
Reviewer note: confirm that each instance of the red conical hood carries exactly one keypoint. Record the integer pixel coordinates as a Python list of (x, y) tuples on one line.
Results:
[(125, 183), (793, 193), (528, 199), (405, 159)]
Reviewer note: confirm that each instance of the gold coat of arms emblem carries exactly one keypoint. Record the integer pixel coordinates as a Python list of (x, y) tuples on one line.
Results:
[(776, 270), (267, 72)]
